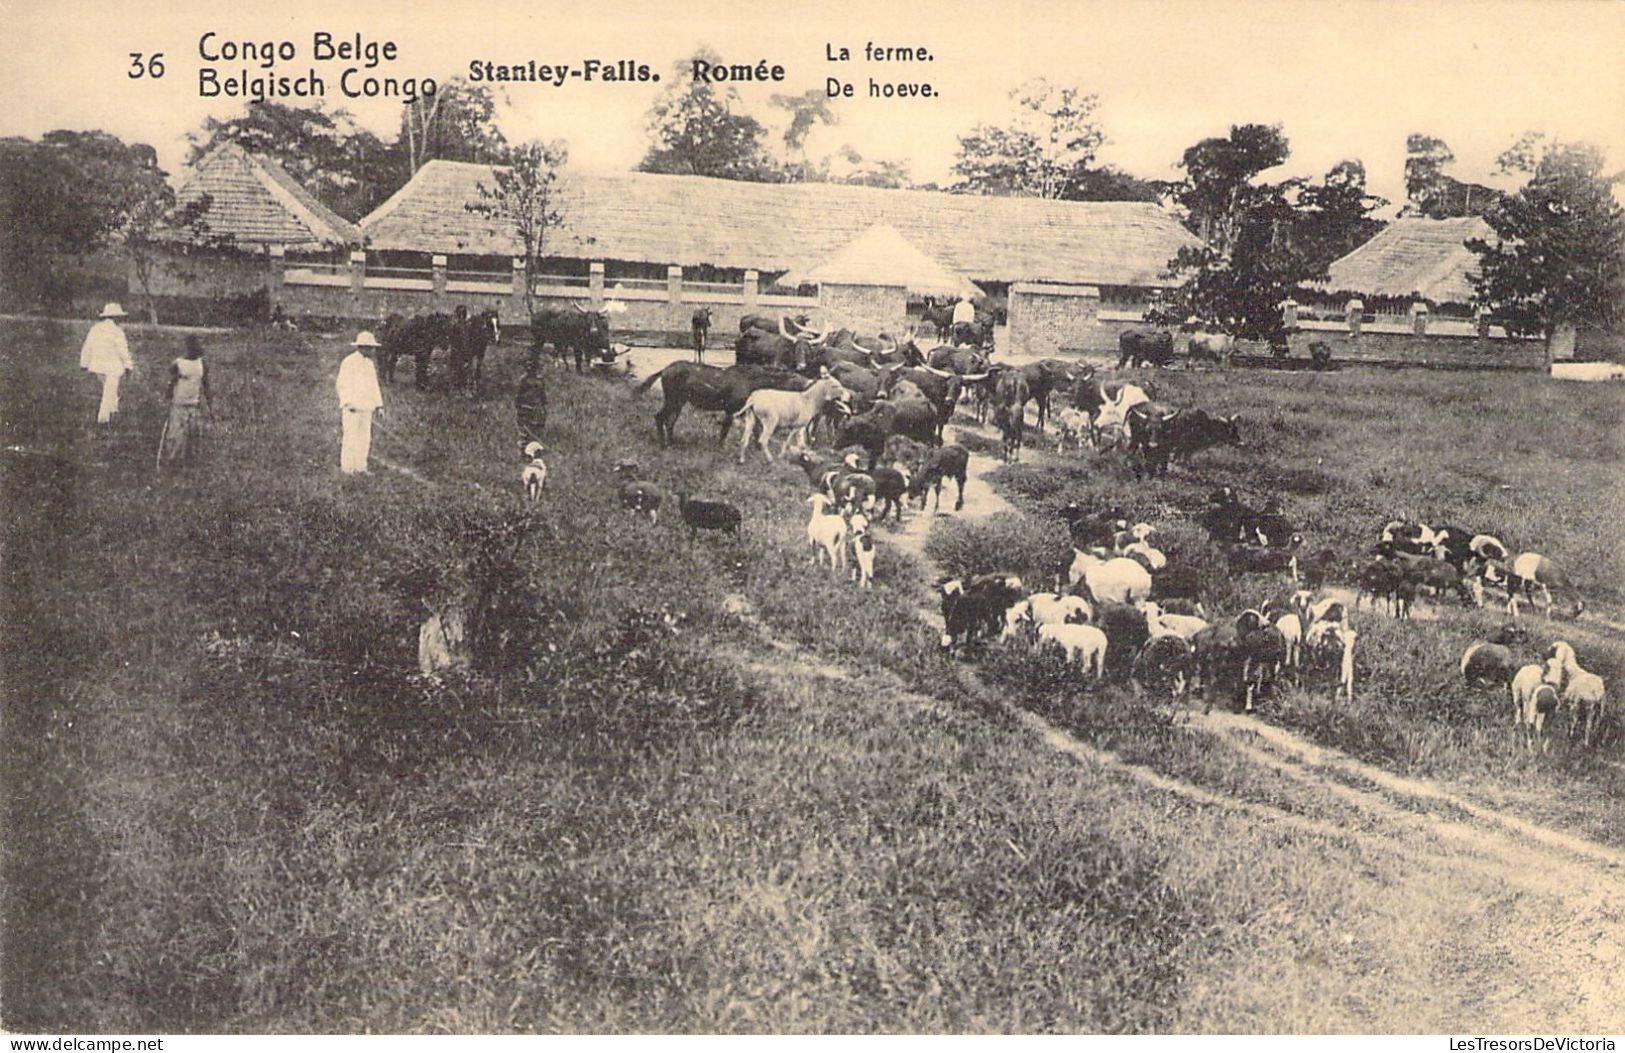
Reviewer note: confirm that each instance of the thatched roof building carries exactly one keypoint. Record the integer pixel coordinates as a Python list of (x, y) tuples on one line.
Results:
[(1425, 257), (255, 203), (881, 256), (774, 227)]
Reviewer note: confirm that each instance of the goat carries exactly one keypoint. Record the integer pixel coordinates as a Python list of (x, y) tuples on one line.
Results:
[(826, 533), (534, 474), (863, 551), (641, 495)]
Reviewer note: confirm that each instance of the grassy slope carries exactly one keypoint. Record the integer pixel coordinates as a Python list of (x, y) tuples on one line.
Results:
[(230, 806), (1540, 463)]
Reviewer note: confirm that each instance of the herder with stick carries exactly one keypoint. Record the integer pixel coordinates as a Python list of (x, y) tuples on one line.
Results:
[(188, 391)]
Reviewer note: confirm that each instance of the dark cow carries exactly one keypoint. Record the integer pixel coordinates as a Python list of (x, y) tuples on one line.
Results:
[(1091, 530), (712, 389), (785, 325), (942, 391), (1010, 397), (758, 348), (471, 335), (973, 608), (975, 334), (583, 334), (700, 328), (939, 316), (1161, 434), (1139, 347), (949, 462), (1044, 377), (419, 337), (965, 361), (914, 418)]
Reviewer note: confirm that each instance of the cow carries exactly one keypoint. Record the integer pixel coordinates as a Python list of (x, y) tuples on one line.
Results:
[(942, 391), (1010, 396), (1106, 403), (1136, 346), (949, 462), (962, 360), (914, 418), (1161, 434), (699, 328), (1044, 377), (712, 389), (759, 348), (766, 410), (939, 316), (419, 337), (583, 334), (1210, 347)]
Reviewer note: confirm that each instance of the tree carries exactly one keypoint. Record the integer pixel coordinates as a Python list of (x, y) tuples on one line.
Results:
[(1050, 137), (525, 197), (1334, 216), (1560, 257), (456, 123), (807, 110), (1430, 192), (1113, 184), (694, 130), (1217, 190), (348, 168)]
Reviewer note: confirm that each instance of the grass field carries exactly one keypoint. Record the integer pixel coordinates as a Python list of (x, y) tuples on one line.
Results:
[(232, 806)]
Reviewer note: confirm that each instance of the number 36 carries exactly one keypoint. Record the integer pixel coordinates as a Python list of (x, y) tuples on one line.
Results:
[(141, 66)]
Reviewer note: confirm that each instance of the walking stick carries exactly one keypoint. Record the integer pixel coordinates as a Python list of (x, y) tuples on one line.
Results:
[(157, 462)]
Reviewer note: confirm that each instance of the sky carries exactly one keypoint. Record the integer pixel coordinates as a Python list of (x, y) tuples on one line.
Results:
[(1346, 79)]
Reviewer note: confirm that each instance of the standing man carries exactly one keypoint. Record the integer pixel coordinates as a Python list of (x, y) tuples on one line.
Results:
[(359, 397), (107, 352), (530, 400), (964, 315), (188, 390)]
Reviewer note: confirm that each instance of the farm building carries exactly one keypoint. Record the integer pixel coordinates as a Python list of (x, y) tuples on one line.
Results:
[(662, 244), (253, 209), (1410, 260), (866, 284)]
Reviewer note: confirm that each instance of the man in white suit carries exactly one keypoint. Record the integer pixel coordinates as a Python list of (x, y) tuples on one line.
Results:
[(107, 352), (359, 398)]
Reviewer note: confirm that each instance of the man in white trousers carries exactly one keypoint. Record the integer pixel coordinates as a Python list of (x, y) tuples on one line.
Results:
[(107, 352), (359, 398)]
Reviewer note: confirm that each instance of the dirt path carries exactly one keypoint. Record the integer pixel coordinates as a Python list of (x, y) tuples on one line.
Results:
[(1527, 922)]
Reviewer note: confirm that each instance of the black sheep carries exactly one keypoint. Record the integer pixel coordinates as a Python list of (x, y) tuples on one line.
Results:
[(709, 515)]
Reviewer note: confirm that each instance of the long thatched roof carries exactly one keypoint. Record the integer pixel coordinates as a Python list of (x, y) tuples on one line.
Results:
[(253, 201), (881, 256), (1415, 256), (775, 227)]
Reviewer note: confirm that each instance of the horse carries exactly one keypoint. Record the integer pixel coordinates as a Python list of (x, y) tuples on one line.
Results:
[(795, 410), (711, 389), (419, 337), (700, 328)]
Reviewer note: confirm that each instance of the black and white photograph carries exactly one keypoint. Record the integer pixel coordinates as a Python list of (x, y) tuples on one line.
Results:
[(680, 517)]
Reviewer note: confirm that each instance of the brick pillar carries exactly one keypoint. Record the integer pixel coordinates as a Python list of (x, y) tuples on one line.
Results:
[(437, 267), (1354, 315), (595, 282), (674, 285), (752, 290), (1289, 313), (518, 288), (1419, 318), (358, 279), (277, 261)]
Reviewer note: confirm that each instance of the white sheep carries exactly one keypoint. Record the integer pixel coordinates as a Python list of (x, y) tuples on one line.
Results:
[(1533, 700), (1083, 643), (1582, 689), (534, 475)]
